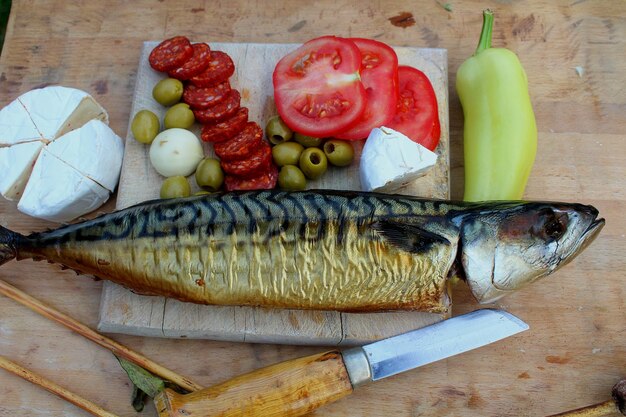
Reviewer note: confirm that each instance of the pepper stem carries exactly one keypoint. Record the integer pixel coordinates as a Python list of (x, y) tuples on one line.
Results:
[(485, 35)]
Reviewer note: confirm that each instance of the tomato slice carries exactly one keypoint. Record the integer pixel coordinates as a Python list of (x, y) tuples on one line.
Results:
[(417, 114), (379, 74), (317, 88)]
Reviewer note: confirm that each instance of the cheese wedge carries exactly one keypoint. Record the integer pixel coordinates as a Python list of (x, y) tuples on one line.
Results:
[(94, 150), (56, 110), (16, 164), (59, 193), (390, 160), (16, 125), (57, 153)]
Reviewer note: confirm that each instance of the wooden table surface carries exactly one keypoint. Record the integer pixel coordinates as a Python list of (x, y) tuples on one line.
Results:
[(576, 348)]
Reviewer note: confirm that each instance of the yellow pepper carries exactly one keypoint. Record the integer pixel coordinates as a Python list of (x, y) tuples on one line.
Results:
[(500, 133)]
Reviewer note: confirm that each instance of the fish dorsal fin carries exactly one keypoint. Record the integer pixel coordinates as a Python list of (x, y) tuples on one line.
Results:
[(409, 237)]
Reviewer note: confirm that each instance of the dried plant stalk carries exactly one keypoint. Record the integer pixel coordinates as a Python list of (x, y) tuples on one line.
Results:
[(54, 388), (110, 344)]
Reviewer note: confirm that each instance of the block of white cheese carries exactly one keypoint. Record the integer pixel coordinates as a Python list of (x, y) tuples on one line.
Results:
[(391, 160), (56, 110), (58, 192), (57, 153), (16, 125), (16, 164), (94, 150)]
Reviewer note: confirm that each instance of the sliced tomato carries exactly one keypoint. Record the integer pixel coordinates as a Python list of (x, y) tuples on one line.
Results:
[(317, 88), (379, 74), (417, 114)]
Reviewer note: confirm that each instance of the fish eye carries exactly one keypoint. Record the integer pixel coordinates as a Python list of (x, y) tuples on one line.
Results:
[(545, 224), (555, 226)]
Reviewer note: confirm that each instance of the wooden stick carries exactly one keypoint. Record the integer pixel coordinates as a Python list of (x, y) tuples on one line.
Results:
[(598, 410), (54, 388), (110, 344)]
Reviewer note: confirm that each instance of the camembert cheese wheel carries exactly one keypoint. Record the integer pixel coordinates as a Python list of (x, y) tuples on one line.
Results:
[(57, 154)]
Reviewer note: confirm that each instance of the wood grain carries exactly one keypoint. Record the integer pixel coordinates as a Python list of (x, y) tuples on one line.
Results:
[(124, 312), (287, 389), (575, 351)]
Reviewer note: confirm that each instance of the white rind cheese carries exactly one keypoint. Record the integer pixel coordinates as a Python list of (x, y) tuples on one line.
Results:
[(47, 113), (16, 164), (56, 110), (94, 150), (57, 153), (391, 160), (59, 193), (16, 125)]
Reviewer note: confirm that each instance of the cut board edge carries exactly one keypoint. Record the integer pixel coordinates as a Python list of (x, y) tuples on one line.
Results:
[(339, 337)]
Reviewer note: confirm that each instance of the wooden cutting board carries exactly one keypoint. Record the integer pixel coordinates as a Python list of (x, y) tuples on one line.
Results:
[(121, 311)]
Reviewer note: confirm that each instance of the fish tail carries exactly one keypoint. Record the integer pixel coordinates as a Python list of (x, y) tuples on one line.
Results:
[(8, 244)]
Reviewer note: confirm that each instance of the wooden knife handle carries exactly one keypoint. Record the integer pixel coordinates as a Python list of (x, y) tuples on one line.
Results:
[(287, 389)]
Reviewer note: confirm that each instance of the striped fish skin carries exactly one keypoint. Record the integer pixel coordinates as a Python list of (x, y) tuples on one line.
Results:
[(325, 250)]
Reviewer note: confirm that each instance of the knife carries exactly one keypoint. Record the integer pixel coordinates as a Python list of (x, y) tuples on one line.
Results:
[(299, 386)]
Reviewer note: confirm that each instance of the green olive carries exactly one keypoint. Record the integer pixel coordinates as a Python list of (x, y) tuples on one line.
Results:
[(175, 187), (277, 131), (145, 126), (179, 115), (209, 174), (168, 91), (307, 141), (313, 163), (290, 178), (287, 153), (340, 153)]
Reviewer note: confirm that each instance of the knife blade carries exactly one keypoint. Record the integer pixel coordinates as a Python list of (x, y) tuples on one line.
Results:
[(430, 344), (297, 387)]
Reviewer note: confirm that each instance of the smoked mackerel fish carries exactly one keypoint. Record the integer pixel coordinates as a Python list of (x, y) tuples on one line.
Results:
[(325, 250)]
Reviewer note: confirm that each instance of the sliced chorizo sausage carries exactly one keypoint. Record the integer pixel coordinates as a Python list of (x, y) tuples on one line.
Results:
[(220, 68), (203, 98), (264, 181), (221, 111), (227, 129), (241, 145), (195, 65), (171, 54), (255, 163)]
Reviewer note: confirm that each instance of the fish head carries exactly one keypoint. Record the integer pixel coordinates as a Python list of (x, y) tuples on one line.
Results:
[(506, 246)]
